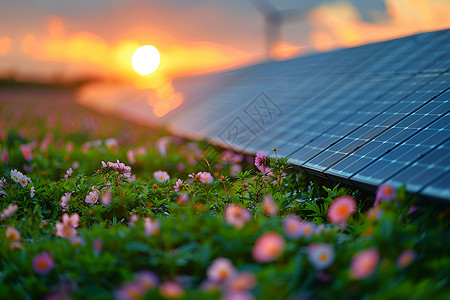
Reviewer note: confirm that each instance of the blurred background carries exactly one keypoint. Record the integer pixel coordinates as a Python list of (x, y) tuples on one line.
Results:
[(67, 42), (71, 40)]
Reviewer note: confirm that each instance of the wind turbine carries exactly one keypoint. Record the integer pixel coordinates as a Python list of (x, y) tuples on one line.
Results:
[(273, 20)]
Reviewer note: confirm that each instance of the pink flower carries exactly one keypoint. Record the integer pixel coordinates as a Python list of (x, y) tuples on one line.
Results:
[(129, 291), (97, 245), (269, 206), (5, 156), (261, 162), (132, 220), (171, 290), (26, 152), (292, 227), (12, 233), (364, 263), (178, 185), (106, 199), (220, 270), (406, 258), (321, 256), (268, 247), (206, 177), (65, 230), (341, 208), (72, 220), (151, 228), (92, 198), (235, 169), (237, 215), (69, 147), (131, 157), (65, 200), (242, 281), (43, 263), (183, 199), (161, 176), (148, 280), (385, 192), (9, 211), (237, 295), (68, 174), (162, 144), (77, 241)]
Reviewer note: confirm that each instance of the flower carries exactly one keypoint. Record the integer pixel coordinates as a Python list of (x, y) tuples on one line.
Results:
[(132, 220), (24, 181), (237, 295), (292, 227), (9, 211), (341, 208), (321, 256), (26, 152), (242, 281), (235, 169), (16, 175), (72, 220), (183, 199), (161, 176), (178, 185), (162, 144), (268, 247), (405, 258), (171, 290), (261, 162), (65, 200), (129, 291), (12, 233), (77, 241), (97, 245), (32, 192), (65, 230), (151, 227), (385, 192), (206, 177), (220, 270), (68, 174), (364, 263), (5, 156), (105, 200), (148, 280), (92, 198), (237, 215), (43, 263), (131, 157), (269, 206)]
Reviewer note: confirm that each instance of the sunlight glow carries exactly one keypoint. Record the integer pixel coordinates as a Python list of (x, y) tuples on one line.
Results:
[(145, 60)]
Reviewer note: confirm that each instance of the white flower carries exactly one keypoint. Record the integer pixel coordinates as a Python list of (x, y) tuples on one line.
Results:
[(32, 192), (321, 256), (16, 175)]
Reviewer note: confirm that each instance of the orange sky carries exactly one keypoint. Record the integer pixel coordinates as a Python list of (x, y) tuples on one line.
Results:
[(101, 42)]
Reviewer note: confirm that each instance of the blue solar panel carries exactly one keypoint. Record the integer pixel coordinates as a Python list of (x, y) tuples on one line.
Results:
[(365, 115)]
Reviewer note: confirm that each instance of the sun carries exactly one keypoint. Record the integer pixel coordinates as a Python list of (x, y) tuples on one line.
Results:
[(145, 59)]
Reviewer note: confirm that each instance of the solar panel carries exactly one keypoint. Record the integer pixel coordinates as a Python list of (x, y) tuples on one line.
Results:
[(364, 115)]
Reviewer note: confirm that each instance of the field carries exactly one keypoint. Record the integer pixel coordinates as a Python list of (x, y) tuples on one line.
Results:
[(94, 207)]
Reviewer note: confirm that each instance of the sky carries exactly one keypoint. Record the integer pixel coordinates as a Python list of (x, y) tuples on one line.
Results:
[(49, 40)]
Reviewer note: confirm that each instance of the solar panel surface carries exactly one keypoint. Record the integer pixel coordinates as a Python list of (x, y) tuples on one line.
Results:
[(365, 115)]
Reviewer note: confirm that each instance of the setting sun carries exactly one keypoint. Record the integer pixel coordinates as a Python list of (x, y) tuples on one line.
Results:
[(145, 59)]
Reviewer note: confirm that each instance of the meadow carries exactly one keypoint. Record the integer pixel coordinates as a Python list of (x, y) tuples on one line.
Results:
[(94, 207)]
